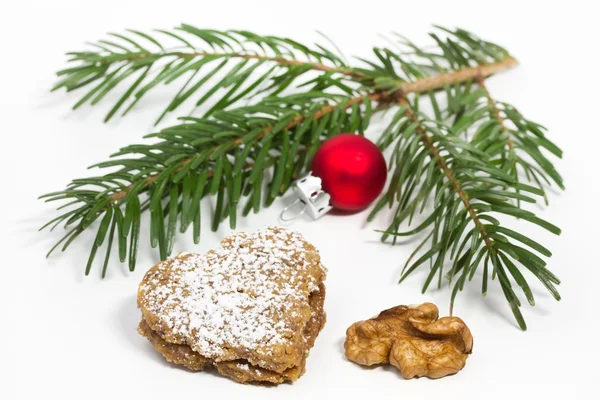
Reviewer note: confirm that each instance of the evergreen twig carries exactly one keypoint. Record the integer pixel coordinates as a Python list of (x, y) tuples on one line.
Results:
[(126, 55), (466, 160), (458, 173)]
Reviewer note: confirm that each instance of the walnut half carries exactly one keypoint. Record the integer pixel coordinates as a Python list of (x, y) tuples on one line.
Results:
[(412, 339)]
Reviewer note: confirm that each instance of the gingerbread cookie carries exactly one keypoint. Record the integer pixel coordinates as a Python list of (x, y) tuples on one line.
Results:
[(252, 308)]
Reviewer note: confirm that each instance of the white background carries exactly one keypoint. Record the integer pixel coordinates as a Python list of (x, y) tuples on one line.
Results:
[(69, 337)]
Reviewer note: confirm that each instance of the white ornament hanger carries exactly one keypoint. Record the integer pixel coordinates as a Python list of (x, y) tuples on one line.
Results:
[(310, 199)]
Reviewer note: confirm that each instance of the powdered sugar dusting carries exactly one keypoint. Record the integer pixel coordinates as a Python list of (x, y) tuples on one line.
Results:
[(234, 297)]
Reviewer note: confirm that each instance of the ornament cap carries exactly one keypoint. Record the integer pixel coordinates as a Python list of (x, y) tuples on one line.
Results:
[(310, 198)]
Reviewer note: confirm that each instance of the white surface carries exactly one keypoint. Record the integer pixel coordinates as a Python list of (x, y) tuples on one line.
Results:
[(69, 337)]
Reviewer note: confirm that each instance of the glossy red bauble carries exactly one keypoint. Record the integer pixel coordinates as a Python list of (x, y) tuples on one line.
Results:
[(352, 170)]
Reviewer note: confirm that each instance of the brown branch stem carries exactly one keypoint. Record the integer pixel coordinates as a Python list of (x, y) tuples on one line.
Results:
[(279, 60), (428, 143), (495, 111), (418, 86), (462, 75)]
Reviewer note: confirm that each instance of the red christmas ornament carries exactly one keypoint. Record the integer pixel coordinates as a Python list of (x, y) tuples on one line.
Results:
[(352, 170)]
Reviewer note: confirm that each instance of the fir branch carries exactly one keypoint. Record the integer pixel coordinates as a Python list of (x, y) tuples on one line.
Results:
[(227, 152), (199, 150), (224, 155), (465, 186), (322, 112), (481, 172), (115, 61)]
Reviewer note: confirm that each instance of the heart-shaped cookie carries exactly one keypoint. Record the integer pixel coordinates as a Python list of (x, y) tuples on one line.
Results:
[(251, 308)]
